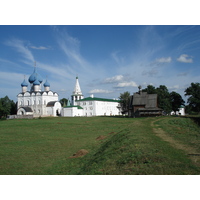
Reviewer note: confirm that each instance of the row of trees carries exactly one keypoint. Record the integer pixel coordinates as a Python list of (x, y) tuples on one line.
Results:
[(7, 107), (169, 101)]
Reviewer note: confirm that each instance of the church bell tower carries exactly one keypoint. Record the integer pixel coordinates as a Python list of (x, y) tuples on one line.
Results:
[(77, 94)]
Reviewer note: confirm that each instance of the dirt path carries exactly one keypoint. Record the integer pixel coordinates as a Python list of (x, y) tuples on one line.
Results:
[(191, 152)]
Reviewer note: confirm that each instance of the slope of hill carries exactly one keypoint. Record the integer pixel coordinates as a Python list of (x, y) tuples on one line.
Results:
[(100, 145)]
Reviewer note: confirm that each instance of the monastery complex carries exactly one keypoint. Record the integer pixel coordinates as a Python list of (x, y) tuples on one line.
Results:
[(41, 101)]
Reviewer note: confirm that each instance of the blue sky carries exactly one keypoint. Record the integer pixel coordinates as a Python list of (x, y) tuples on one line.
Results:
[(108, 60)]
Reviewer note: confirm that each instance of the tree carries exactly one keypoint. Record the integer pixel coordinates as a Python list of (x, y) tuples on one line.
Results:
[(176, 101), (7, 107), (63, 102), (164, 98), (193, 91), (150, 89), (125, 101)]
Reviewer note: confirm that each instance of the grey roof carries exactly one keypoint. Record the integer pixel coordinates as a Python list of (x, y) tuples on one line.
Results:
[(147, 100), (51, 104), (27, 109)]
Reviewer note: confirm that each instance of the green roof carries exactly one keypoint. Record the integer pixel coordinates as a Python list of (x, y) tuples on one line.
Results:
[(79, 107), (98, 99)]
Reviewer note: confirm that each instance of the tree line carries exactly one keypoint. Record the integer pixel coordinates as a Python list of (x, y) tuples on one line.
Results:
[(169, 101), (7, 107)]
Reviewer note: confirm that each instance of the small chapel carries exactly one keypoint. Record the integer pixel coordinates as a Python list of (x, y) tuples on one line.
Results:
[(38, 100)]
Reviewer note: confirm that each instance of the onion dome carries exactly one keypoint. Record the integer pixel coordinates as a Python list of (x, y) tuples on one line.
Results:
[(36, 82), (35, 76), (46, 84), (24, 83)]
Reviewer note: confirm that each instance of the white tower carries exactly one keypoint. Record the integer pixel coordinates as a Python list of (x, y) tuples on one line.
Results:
[(77, 94)]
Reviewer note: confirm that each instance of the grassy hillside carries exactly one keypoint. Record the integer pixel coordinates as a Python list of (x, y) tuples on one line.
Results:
[(100, 145)]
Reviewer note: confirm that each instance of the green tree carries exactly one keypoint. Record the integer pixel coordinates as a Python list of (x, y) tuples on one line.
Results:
[(7, 107), (63, 102), (164, 98), (176, 101), (150, 89), (125, 101), (193, 91)]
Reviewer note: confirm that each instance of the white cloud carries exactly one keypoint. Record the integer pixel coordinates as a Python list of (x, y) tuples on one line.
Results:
[(114, 79), (182, 74), (127, 84), (185, 58), (175, 87), (116, 58), (39, 48), (19, 45), (71, 48), (164, 60), (95, 91)]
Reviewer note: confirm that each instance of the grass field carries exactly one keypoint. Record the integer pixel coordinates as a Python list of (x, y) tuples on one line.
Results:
[(100, 145)]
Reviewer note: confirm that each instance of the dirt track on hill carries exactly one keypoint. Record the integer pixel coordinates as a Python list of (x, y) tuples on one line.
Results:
[(191, 152)]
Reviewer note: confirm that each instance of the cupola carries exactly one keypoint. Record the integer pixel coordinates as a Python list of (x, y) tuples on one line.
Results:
[(24, 86), (33, 76), (46, 86), (36, 85)]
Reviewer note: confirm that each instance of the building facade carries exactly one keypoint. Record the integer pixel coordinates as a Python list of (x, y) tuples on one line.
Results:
[(144, 104), (90, 106), (37, 102)]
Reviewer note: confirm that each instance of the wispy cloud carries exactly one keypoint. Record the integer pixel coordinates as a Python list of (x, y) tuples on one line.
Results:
[(40, 47), (182, 74), (71, 48), (126, 84), (21, 47), (185, 58), (164, 60), (114, 79), (99, 91)]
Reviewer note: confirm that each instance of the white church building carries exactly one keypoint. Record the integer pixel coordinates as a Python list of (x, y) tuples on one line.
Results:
[(90, 106), (37, 102)]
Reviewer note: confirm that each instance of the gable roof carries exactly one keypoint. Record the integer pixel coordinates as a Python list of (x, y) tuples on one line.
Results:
[(51, 103), (27, 109), (98, 99), (148, 100)]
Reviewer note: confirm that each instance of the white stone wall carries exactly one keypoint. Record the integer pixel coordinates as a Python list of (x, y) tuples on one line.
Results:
[(71, 112), (99, 108), (38, 101)]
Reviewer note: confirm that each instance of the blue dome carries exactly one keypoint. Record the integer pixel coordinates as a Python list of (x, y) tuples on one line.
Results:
[(46, 84), (35, 76), (36, 82), (24, 84)]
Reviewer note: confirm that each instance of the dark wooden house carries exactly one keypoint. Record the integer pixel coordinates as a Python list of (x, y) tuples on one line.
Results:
[(143, 104)]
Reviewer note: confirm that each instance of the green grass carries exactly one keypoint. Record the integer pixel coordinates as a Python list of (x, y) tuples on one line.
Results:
[(43, 146)]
